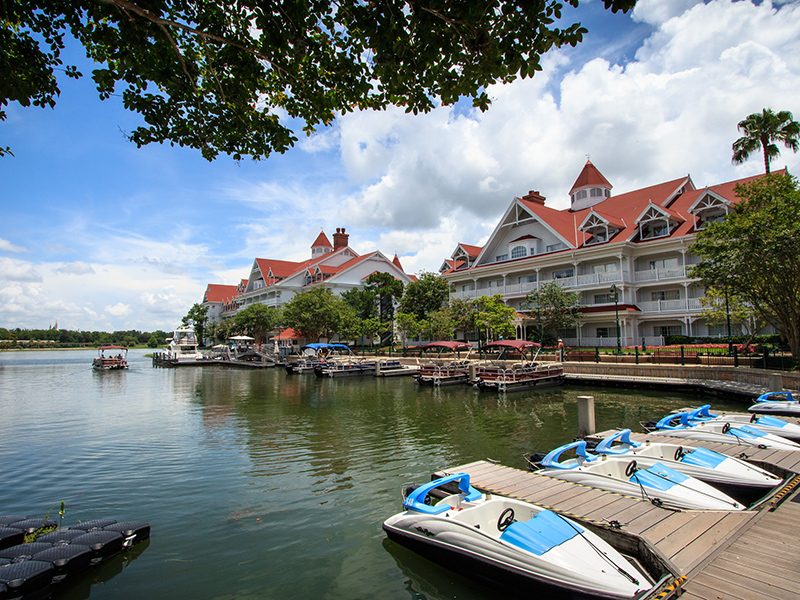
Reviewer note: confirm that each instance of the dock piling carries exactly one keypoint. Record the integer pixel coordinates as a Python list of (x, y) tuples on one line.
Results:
[(586, 421)]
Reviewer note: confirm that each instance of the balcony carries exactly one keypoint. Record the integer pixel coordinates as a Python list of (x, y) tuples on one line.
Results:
[(659, 274), (670, 306)]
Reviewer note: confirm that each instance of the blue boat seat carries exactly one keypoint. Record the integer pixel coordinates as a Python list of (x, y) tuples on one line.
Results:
[(541, 533), (658, 477), (703, 458)]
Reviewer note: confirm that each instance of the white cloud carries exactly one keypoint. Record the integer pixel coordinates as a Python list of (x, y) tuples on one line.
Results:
[(6, 246), (18, 270)]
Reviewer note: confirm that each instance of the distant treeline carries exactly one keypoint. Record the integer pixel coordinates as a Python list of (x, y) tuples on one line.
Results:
[(64, 338)]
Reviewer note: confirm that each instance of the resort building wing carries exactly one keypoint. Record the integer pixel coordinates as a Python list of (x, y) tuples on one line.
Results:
[(274, 282), (638, 241)]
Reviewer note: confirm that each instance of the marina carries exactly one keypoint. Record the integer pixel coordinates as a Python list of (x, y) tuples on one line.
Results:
[(699, 547), (252, 476)]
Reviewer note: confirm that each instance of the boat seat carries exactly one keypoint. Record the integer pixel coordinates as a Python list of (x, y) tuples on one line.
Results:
[(541, 533), (703, 458), (658, 477)]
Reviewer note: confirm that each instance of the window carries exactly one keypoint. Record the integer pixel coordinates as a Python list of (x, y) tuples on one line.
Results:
[(665, 295), (563, 274), (603, 298), (501, 257), (467, 287), (518, 252), (667, 330), (606, 268), (580, 195), (664, 263), (596, 192), (554, 247), (604, 332), (654, 230), (528, 278)]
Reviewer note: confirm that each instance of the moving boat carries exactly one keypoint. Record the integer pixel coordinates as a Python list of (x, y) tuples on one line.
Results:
[(724, 472), (439, 371), (657, 483), (765, 423), (789, 406), (109, 360), (524, 375), (511, 541), (678, 425)]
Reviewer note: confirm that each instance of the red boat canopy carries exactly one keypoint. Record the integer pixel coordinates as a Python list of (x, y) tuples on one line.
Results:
[(112, 348), (454, 346), (513, 344)]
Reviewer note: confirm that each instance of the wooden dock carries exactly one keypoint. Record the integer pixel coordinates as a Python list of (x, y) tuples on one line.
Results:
[(711, 555)]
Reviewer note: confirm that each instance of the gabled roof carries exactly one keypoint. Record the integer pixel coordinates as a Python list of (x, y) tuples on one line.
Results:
[(216, 292), (471, 251), (672, 198), (590, 176), (396, 262)]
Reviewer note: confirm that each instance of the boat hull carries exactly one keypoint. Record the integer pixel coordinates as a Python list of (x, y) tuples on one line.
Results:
[(785, 409)]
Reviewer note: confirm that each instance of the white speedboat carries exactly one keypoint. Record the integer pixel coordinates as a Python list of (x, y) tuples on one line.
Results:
[(679, 426), (656, 483), (765, 423), (509, 540), (700, 463), (766, 405), (182, 347)]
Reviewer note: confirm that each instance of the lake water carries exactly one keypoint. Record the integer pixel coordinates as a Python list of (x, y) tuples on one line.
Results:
[(259, 484)]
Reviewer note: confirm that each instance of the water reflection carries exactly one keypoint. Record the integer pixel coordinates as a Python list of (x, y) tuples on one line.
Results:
[(260, 484)]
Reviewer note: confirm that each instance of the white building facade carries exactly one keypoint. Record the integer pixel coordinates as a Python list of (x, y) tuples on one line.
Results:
[(638, 242)]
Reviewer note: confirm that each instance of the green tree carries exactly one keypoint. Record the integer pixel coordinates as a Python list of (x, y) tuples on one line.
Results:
[(409, 326), (257, 320), (755, 253), (761, 131), (198, 317), (230, 78), (464, 312), (721, 306), (440, 324), (313, 313), (494, 315), (554, 308), (427, 294), (364, 302), (152, 342)]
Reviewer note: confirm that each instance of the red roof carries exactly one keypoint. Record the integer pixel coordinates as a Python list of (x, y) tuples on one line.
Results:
[(216, 292), (396, 263), (472, 251), (288, 334), (322, 240), (590, 176)]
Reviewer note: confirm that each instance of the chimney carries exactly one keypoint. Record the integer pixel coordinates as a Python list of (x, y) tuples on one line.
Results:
[(340, 239), (534, 197)]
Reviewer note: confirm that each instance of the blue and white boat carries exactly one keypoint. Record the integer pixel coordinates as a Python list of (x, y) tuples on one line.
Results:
[(513, 543), (765, 423), (771, 404), (678, 425), (714, 468), (656, 483)]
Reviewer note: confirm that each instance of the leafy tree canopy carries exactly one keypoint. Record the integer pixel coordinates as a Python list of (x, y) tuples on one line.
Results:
[(258, 320), (427, 294), (722, 306), (231, 78), (553, 307), (313, 313), (755, 252), (494, 314)]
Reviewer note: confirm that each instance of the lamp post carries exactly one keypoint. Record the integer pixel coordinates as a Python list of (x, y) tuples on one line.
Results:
[(728, 315), (616, 310)]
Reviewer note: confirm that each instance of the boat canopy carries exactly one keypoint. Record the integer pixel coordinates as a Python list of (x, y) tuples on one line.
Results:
[(454, 346), (113, 348), (513, 344)]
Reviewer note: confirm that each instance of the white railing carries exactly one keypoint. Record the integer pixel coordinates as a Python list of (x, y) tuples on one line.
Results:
[(659, 274)]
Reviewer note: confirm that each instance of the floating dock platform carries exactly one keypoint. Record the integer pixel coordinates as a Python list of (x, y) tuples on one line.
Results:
[(711, 555)]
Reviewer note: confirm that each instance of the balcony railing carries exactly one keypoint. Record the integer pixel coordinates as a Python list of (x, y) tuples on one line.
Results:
[(659, 274), (663, 306)]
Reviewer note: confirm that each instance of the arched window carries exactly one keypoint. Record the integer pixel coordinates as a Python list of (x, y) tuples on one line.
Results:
[(518, 252)]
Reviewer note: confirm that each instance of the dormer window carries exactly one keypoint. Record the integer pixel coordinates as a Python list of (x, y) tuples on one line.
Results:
[(654, 230), (709, 208), (656, 222), (519, 252)]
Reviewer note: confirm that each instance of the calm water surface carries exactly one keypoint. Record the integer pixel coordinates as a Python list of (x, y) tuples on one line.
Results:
[(258, 484)]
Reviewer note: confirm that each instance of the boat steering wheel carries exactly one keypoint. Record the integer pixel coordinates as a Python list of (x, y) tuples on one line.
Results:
[(630, 469), (726, 428), (680, 453), (754, 418), (506, 519)]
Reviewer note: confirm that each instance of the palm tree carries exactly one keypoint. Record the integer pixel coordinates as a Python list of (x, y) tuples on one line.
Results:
[(761, 131)]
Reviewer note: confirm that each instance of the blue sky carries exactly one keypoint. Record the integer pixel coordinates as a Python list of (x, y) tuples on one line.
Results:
[(97, 234)]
